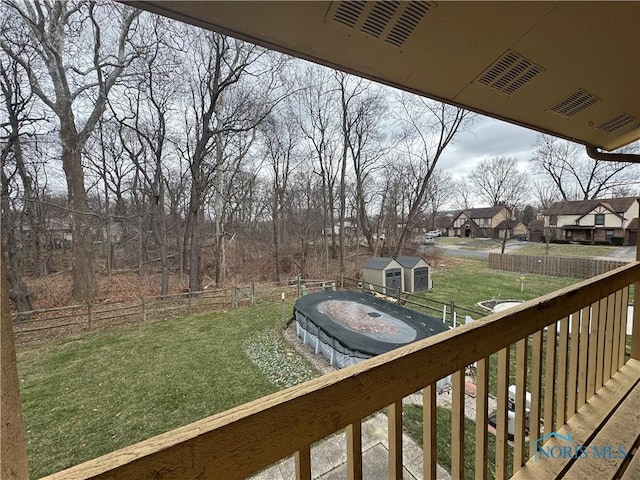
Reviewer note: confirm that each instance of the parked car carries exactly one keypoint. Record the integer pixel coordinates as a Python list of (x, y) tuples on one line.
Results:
[(427, 239), (435, 233)]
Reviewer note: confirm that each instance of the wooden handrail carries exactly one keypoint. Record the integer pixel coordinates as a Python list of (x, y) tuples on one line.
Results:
[(235, 443)]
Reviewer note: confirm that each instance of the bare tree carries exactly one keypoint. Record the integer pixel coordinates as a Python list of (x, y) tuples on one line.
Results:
[(441, 191), (545, 192), (17, 99), (67, 82), (281, 139), (319, 126), (145, 130), (498, 182), (462, 197), (228, 91), (362, 107), (429, 127), (578, 177)]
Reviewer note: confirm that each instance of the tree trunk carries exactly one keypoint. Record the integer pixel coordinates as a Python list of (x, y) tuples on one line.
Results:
[(195, 250), (276, 243), (84, 279)]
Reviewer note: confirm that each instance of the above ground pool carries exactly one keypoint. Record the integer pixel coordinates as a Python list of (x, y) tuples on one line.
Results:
[(347, 327)]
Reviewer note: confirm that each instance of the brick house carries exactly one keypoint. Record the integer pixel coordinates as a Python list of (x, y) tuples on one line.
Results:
[(597, 220)]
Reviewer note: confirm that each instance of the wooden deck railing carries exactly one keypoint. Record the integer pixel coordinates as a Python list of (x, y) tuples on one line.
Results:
[(565, 346)]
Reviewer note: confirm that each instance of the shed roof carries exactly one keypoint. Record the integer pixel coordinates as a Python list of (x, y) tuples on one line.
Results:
[(378, 263), (410, 262)]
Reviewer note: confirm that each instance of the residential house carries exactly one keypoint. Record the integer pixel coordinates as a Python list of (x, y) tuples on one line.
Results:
[(596, 220), (478, 222), (512, 229)]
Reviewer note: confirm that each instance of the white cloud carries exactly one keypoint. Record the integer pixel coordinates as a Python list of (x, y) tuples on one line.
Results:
[(487, 138)]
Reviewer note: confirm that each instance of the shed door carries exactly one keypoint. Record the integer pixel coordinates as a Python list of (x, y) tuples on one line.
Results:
[(421, 279), (393, 280)]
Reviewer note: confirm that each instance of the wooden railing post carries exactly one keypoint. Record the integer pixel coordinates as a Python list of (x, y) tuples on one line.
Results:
[(354, 451), (303, 463), (502, 422), (457, 424), (144, 309), (635, 332), (394, 414), (429, 432), (13, 446), (89, 316), (482, 411)]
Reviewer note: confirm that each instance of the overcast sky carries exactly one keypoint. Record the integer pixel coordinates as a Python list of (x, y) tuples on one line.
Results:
[(488, 138)]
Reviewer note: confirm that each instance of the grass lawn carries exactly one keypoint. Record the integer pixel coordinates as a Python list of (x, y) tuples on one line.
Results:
[(468, 282), (93, 394), (450, 240), (412, 422)]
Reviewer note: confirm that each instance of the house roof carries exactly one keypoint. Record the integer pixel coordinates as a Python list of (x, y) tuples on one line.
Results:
[(582, 207), (410, 262), (484, 212), (508, 224), (378, 263), (633, 224)]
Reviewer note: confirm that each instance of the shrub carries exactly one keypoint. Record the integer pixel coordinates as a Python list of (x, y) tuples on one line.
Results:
[(617, 241), (561, 241)]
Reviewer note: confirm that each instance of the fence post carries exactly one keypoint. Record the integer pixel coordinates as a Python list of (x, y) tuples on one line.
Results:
[(284, 315), (399, 294), (253, 293), (299, 286), (453, 313), (144, 309), (189, 303), (89, 316), (342, 281), (234, 297)]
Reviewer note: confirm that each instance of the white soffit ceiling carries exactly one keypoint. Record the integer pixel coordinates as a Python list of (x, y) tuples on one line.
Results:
[(571, 69)]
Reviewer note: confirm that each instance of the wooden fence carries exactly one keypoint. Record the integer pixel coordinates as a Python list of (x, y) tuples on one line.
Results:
[(553, 266), (449, 311), (39, 324)]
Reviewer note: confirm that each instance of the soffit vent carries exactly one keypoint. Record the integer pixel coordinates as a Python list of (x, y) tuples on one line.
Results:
[(574, 103), (348, 13), (408, 21), (392, 21), (379, 18), (509, 73), (617, 122)]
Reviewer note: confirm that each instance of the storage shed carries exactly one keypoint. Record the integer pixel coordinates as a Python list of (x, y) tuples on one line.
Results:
[(383, 274), (416, 274)]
